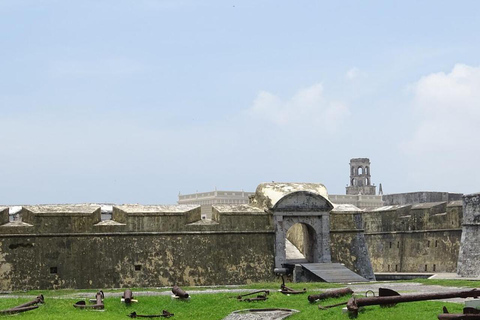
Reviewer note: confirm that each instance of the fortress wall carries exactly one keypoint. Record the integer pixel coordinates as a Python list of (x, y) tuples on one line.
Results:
[(348, 243), (417, 238), (469, 255), (138, 247)]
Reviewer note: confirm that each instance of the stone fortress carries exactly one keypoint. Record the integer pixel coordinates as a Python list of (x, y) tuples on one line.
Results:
[(70, 246)]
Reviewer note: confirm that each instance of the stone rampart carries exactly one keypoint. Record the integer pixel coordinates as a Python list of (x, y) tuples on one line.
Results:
[(67, 246), (469, 256), (348, 243), (414, 238)]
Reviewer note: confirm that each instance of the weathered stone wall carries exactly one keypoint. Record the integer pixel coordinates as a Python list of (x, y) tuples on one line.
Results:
[(348, 243), (414, 238), (142, 246), (469, 256)]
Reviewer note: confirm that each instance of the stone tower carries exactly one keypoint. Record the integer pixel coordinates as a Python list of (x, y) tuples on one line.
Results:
[(360, 182)]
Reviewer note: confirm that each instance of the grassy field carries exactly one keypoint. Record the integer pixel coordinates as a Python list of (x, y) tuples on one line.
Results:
[(58, 305)]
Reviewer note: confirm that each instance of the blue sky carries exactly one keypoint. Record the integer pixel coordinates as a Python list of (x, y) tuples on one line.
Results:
[(135, 101)]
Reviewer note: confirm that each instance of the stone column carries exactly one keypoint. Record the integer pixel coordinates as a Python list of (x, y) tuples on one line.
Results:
[(280, 236), (469, 257), (325, 238)]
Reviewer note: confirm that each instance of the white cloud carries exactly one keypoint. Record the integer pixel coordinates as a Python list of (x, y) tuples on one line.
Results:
[(307, 107), (352, 73), (444, 144)]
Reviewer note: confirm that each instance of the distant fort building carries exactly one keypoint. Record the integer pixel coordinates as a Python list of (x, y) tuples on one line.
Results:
[(215, 197), (360, 193), (208, 199)]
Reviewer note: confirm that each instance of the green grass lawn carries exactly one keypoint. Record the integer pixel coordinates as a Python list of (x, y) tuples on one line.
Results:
[(58, 305)]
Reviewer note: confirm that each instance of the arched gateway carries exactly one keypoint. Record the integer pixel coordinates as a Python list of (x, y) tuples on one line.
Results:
[(304, 203)]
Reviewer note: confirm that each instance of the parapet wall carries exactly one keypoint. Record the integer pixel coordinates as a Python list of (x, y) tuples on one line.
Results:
[(145, 246)]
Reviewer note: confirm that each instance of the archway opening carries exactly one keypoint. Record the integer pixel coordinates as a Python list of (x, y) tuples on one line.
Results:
[(300, 243)]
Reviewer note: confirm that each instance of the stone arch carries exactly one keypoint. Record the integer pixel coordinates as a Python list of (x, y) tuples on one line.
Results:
[(309, 209), (302, 236)]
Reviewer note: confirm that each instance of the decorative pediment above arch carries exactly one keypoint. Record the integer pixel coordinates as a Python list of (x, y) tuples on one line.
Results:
[(303, 201)]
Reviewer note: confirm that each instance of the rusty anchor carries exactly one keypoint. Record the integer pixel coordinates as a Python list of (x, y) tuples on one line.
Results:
[(165, 314), (388, 297), (330, 294), (257, 298), (98, 302), (31, 305), (260, 297), (267, 292), (177, 291), (286, 290), (468, 314)]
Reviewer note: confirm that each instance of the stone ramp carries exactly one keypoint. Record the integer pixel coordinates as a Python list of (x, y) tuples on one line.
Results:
[(333, 272)]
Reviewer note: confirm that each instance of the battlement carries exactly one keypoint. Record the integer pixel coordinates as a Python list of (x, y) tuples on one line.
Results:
[(86, 218), (155, 218), (242, 217), (3, 215)]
